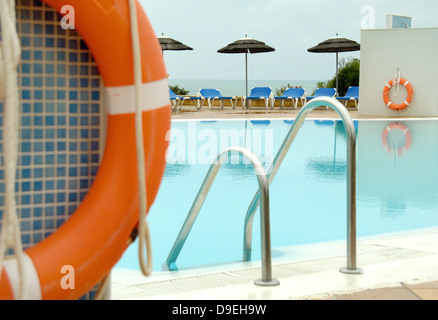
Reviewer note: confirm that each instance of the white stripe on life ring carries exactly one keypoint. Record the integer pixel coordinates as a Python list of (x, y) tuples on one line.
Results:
[(120, 100), (31, 283)]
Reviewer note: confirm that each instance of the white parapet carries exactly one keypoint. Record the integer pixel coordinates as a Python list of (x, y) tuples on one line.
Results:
[(413, 53)]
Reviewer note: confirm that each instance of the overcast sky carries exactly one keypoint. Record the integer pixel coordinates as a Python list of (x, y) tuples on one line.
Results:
[(290, 26)]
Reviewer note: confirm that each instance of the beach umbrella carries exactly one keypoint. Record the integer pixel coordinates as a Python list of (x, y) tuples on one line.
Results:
[(336, 44), (167, 43), (246, 45)]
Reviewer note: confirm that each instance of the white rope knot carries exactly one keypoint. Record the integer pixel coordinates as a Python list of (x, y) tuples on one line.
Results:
[(396, 81), (10, 51)]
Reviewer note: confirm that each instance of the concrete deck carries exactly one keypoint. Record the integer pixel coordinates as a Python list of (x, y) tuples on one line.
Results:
[(395, 267)]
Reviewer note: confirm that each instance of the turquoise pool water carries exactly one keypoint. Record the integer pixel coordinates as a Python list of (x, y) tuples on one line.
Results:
[(397, 185)]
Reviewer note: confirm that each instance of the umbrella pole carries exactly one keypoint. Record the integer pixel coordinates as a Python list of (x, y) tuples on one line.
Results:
[(337, 65), (246, 70)]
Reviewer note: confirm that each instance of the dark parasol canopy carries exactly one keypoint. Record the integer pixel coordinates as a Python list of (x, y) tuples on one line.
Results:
[(246, 45), (336, 44), (167, 43)]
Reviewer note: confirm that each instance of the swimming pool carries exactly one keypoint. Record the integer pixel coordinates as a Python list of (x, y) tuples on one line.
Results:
[(397, 185)]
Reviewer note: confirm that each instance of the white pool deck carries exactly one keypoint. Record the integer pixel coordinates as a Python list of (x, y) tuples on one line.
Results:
[(401, 266), (402, 260)]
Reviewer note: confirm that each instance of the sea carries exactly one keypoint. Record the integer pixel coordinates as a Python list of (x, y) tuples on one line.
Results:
[(237, 87)]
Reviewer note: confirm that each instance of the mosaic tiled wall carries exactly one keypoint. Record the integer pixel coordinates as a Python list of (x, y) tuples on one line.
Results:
[(62, 119)]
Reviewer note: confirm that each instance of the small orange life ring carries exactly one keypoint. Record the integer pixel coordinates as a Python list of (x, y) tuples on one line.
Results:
[(96, 235), (397, 126), (402, 105)]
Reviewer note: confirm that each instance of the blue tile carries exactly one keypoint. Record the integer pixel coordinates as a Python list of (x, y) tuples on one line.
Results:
[(50, 133), (38, 121), (38, 107), (38, 42), (38, 173), (72, 146), (25, 41), (26, 55), (49, 223), (49, 173), (60, 82), (72, 197), (61, 146), (61, 133), (26, 186), (50, 42), (38, 94), (50, 69), (26, 134), (50, 29), (50, 121), (73, 95), (26, 81), (38, 159), (73, 172), (73, 70), (50, 159), (50, 56), (26, 27), (38, 147), (25, 225), (60, 172), (26, 160), (38, 185), (49, 198), (84, 172), (25, 213), (50, 146), (60, 197), (50, 185), (84, 83), (61, 159), (37, 225), (50, 107), (26, 173), (37, 199), (26, 147), (38, 133), (50, 82), (49, 212), (38, 55), (60, 120)]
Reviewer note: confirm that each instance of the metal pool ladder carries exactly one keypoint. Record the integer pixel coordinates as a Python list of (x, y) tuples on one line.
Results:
[(351, 177), (263, 193), (266, 279)]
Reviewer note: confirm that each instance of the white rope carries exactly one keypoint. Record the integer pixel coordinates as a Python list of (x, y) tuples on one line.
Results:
[(396, 82), (9, 59), (143, 228)]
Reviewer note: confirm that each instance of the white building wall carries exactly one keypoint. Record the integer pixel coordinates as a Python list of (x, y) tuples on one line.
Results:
[(414, 52)]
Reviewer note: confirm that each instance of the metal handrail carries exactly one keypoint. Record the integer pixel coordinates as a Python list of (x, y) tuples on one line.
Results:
[(266, 279), (351, 177)]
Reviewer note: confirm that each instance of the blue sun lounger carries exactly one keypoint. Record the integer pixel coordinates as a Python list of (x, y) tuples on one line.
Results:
[(323, 92), (293, 94), (213, 94), (259, 93), (352, 94), (178, 101)]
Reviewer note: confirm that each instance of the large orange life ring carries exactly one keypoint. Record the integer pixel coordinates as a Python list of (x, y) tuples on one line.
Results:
[(402, 105), (96, 235), (397, 126)]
